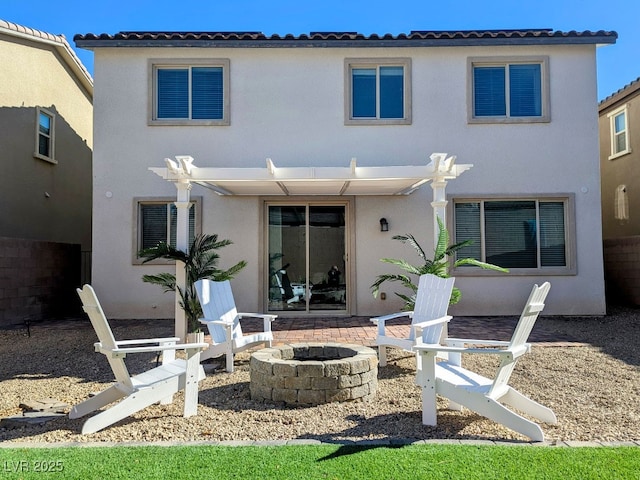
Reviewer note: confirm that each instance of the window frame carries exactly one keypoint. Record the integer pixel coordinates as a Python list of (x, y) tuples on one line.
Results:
[(569, 230), (623, 110), (354, 63), (137, 224), (155, 64), (52, 136), (543, 61)]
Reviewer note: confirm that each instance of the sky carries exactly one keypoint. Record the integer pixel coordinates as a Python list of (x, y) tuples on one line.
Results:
[(617, 64)]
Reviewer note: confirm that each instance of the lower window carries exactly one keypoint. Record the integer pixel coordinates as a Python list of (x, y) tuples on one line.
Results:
[(518, 234), (307, 246), (156, 222)]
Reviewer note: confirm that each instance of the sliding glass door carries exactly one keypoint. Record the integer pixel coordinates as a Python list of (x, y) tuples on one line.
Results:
[(307, 257)]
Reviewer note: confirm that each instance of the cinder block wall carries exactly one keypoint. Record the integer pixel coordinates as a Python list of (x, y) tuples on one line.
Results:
[(38, 280), (622, 269)]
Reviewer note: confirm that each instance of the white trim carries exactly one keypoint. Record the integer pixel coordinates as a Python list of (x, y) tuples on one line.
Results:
[(51, 158), (624, 109)]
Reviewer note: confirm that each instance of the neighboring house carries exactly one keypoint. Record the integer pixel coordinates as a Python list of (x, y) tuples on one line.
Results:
[(619, 157), (46, 138), (505, 101)]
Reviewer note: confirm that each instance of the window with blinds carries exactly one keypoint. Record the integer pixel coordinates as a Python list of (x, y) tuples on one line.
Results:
[(515, 234), (378, 91), (195, 92), (508, 90), (190, 93), (157, 223)]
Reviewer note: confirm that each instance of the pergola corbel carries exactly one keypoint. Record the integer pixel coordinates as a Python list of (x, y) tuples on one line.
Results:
[(289, 181)]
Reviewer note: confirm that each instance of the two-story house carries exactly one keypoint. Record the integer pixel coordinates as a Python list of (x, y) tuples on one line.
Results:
[(46, 137), (619, 157), (273, 123)]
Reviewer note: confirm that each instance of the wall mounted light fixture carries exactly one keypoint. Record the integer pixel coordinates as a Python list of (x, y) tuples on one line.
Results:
[(384, 225)]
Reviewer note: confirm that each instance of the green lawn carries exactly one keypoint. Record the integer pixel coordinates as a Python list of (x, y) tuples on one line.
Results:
[(326, 462)]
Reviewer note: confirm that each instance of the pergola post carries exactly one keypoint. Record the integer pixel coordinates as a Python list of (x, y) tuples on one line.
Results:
[(182, 243), (439, 205), (442, 167)]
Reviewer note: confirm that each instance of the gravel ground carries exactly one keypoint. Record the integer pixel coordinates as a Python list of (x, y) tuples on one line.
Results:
[(594, 389)]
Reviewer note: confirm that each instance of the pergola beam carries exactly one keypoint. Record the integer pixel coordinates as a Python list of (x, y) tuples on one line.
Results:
[(272, 180)]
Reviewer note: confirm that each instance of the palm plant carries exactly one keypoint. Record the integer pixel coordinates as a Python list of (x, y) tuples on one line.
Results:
[(200, 262), (438, 266)]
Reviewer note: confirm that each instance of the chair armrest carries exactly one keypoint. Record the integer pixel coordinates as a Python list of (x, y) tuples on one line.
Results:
[(215, 322), (122, 352), (429, 323), (471, 341), (147, 340), (264, 316), (391, 316), (512, 352)]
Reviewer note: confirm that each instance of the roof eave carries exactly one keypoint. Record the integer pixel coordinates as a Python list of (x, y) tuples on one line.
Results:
[(621, 96), (415, 39), (465, 42)]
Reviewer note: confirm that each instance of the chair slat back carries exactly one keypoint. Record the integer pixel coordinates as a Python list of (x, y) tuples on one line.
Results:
[(432, 301), (535, 304), (91, 305), (217, 302)]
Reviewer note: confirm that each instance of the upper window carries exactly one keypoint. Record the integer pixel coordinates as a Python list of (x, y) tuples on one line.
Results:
[(530, 235), (190, 92), (508, 91), (378, 91), (45, 135), (619, 121), (156, 222)]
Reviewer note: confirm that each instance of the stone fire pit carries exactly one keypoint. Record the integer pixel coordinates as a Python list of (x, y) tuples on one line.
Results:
[(314, 373)]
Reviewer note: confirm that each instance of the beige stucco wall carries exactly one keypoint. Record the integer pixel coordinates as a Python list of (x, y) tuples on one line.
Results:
[(621, 170), (41, 200), (288, 104)]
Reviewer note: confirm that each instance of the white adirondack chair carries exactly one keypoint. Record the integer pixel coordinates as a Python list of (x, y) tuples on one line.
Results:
[(139, 391), (223, 321), (427, 319), (487, 396)]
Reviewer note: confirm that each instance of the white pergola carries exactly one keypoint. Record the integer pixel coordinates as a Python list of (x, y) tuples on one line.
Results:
[(291, 181)]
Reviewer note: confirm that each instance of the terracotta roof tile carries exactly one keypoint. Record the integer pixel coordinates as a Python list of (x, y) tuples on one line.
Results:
[(417, 36)]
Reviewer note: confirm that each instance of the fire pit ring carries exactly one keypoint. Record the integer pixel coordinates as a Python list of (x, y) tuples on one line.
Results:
[(313, 373)]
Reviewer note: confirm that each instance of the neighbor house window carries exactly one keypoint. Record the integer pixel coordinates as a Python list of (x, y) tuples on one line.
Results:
[(530, 234), (621, 203), (619, 121), (45, 135), (378, 91), (156, 222), (509, 91), (194, 92)]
